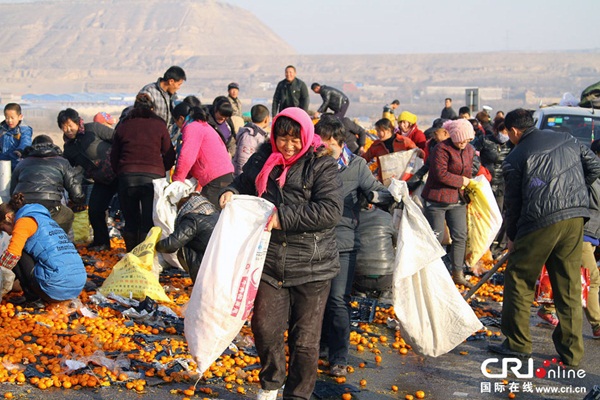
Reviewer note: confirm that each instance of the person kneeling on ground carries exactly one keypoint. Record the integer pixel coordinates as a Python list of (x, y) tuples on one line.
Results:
[(40, 254), (195, 221)]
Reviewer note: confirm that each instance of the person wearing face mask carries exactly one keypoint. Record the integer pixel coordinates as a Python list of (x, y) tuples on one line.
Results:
[(357, 181), (503, 148), (451, 165)]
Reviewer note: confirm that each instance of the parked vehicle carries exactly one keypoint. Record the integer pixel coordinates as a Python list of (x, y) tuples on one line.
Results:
[(583, 123)]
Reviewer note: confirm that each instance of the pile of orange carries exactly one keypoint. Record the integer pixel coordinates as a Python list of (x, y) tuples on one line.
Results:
[(35, 344)]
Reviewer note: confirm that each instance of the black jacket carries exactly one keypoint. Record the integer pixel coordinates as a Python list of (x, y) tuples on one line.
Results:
[(332, 98), (309, 207), (91, 151), (230, 142), (592, 227), (377, 243), (546, 176), (356, 136), (290, 94), (44, 175), (191, 235), (502, 150), (448, 113), (488, 152)]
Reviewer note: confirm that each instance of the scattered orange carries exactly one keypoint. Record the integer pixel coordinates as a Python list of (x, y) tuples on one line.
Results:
[(419, 394)]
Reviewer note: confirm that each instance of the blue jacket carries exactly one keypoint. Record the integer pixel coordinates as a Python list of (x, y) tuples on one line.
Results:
[(58, 267), (11, 140)]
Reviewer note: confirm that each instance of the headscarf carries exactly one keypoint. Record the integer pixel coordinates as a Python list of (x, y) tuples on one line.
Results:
[(307, 137)]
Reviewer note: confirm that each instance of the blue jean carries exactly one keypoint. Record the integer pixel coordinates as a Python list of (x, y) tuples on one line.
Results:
[(455, 215), (300, 310), (335, 335)]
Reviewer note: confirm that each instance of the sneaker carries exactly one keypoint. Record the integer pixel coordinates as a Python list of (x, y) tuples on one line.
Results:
[(504, 350), (338, 370), (266, 394), (548, 318), (596, 332)]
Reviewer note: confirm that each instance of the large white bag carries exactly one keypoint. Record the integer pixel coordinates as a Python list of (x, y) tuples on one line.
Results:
[(433, 316), (228, 279), (166, 196), (484, 219), (399, 165)]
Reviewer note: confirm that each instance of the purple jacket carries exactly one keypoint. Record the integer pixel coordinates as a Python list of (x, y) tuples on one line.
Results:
[(447, 167)]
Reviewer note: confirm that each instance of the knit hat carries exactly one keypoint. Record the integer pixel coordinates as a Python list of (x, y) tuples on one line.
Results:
[(104, 118), (460, 130), (233, 85), (408, 116)]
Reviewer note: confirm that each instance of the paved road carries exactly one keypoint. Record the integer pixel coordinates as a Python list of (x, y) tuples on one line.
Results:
[(456, 375)]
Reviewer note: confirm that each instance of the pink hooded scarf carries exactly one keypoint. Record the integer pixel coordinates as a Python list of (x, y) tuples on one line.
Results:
[(308, 138)]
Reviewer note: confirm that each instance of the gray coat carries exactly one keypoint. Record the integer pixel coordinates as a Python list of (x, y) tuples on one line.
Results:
[(357, 180)]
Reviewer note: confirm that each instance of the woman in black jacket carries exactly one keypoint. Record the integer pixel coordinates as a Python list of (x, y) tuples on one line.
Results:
[(302, 258), (88, 146), (43, 176)]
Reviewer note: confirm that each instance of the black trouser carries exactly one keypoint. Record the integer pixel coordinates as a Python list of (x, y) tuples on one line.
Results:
[(24, 272), (300, 309), (213, 189), (100, 198), (136, 196)]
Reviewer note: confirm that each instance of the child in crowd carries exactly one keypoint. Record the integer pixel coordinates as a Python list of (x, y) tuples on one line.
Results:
[(251, 136), (14, 136)]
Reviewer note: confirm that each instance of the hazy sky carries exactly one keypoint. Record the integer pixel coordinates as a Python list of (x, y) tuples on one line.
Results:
[(429, 26)]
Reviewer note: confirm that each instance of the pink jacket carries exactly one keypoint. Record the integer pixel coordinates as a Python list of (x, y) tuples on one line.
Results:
[(203, 154)]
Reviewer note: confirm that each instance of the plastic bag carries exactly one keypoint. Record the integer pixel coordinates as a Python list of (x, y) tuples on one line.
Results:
[(134, 275), (166, 196), (394, 165), (228, 278), (543, 290), (483, 219), (81, 227), (433, 316)]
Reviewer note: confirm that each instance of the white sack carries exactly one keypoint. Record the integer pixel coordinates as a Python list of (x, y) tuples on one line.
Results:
[(228, 279), (433, 316), (164, 212)]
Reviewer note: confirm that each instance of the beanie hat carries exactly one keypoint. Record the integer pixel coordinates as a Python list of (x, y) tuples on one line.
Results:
[(104, 118), (408, 116), (460, 130)]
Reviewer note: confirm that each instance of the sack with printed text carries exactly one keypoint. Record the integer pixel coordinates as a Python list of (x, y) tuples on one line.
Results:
[(483, 219), (135, 275), (399, 165), (223, 296)]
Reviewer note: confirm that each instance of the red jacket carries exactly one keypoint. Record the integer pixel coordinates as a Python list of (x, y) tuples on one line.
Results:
[(447, 167), (378, 149), (418, 137)]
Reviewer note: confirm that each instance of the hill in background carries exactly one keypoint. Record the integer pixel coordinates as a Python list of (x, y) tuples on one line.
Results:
[(117, 46)]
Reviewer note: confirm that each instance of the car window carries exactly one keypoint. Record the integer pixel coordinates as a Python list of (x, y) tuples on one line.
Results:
[(583, 127)]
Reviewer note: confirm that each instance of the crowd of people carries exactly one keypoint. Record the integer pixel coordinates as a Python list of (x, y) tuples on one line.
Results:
[(331, 233)]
